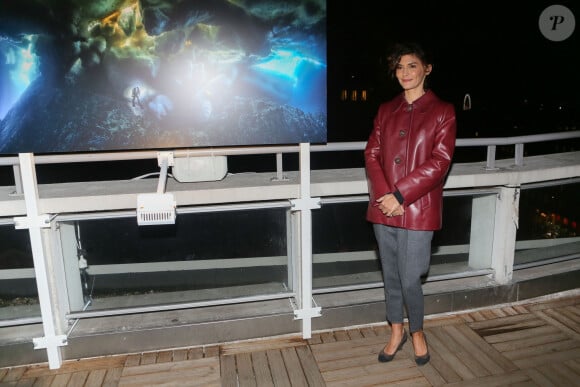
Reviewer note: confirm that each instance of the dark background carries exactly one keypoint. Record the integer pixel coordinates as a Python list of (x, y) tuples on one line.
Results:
[(519, 81), (472, 42)]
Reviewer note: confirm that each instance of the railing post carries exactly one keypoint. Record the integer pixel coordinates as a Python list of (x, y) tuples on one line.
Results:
[(305, 204), (504, 237), (490, 164), (35, 222), (519, 155), (279, 169)]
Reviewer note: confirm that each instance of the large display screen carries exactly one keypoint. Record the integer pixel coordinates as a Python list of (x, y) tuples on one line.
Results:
[(96, 75)]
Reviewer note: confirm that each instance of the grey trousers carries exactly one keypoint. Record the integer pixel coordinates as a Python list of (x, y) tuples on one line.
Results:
[(405, 256)]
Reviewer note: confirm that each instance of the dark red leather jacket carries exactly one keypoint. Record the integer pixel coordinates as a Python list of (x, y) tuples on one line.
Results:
[(410, 150)]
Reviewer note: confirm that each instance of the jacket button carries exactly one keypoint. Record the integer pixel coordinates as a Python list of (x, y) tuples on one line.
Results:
[(408, 108), (402, 133), (398, 160)]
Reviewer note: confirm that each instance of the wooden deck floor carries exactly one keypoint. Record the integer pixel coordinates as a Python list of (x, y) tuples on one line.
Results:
[(535, 344)]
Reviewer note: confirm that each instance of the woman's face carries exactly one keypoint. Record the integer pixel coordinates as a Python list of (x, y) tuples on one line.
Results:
[(411, 72)]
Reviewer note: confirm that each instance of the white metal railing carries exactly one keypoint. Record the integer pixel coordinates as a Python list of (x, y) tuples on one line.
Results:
[(501, 230), (491, 143)]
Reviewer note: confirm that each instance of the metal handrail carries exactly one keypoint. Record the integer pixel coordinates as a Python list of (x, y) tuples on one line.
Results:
[(491, 143)]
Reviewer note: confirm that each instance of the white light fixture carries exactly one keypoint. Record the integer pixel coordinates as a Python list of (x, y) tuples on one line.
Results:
[(157, 208)]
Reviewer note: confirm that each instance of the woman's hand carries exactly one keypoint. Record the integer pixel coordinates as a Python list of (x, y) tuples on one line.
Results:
[(389, 205)]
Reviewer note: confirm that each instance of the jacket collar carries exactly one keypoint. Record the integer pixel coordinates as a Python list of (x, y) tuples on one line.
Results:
[(420, 104)]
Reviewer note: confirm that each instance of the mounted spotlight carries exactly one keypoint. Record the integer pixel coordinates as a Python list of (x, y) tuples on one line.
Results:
[(157, 208)]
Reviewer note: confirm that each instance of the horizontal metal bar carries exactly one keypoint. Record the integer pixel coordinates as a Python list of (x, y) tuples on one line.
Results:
[(468, 192), (446, 193), (6, 221), (195, 152), (185, 305), (18, 274), (374, 285), (96, 215), (244, 206), (347, 288), (546, 261), (179, 210), (339, 146), (550, 183), (461, 274), (235, 207), (545, 242), (462, 142), (20, 321), (344, 199), (254, 150)]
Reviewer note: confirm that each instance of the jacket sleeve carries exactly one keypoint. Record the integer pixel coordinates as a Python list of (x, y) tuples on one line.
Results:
[(378, 185), (432, 172)]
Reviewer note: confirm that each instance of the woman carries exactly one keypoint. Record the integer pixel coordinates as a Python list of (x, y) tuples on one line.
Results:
[(407, 156)]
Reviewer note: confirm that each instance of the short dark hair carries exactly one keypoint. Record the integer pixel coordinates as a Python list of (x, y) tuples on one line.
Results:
[(406, 48)]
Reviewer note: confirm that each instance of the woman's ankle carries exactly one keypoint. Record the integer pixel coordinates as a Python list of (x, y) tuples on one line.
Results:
[(397, 328)]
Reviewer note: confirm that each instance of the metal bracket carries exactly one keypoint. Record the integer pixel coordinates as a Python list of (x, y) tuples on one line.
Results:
[(158, 208), (50, 342), (300, 314), (280, 178), (27, 222), (161, 156), (305, 204)]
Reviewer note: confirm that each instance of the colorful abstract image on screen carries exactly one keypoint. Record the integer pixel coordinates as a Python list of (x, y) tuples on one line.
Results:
[(97, 75)]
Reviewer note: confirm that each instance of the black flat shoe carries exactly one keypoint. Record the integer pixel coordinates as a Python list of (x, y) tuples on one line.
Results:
[(385, 357), (422, 360)]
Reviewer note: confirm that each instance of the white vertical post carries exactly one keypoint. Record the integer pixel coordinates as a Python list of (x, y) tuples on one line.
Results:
[(34, 221), (306, 240), (490, 164), (305, 204), (519, 155), (504, 238), (279, 169)]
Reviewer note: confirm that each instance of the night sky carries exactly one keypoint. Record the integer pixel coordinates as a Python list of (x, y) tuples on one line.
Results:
[(493, 50), (474, 43)]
